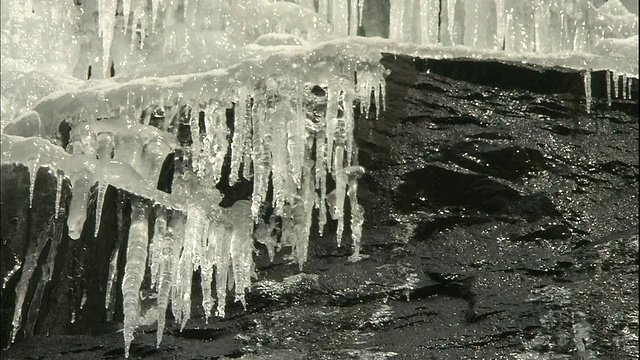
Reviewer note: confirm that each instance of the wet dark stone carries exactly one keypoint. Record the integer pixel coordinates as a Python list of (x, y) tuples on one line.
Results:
[(501, 220)]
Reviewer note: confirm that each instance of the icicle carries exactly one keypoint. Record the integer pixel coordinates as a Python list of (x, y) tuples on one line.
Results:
[(357, 212), (109, 301), (47, 272), (155, 4), (176, 274), (126, 11), (360, 12), (629, 83), (331, 121), (341, 183), (241, 131), (111, 279), (340, 17), (614, 80), (206, 268), (608, 85), (215, 144), (102, 191), (34, 165), (587, 89), (196, 144), (241, 248), (296, 138), (348, 119), (134, 269), (30, 264), (623, 86), (106, 21), (157, 245), (195, 227), (396, 17), (262, 140), (222, 258), (321, 179), (451, 13), (166, 265), (248, 142), (78, 206), (59, 182), (353, 17), (429, 11)]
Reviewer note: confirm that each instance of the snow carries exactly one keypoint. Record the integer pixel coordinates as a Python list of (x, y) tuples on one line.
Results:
[(193, 61)]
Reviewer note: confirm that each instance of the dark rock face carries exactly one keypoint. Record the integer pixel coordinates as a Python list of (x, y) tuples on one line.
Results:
[(501, 221)]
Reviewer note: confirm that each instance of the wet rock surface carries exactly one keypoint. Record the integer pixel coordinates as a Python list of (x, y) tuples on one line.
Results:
[(501, 222)]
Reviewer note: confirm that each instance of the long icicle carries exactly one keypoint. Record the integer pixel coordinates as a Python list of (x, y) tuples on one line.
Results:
[(134, 269)]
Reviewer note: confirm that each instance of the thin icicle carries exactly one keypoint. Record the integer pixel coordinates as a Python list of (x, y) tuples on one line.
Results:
[(134, 269), (59, 182), (331, 119), (109, 301), (349, 124), (624, 86), (321, 179), (102, 191), (629, 88), (341, 183), (240, 134), (607, 81), (587, 90), (33, 165), (248, 142)]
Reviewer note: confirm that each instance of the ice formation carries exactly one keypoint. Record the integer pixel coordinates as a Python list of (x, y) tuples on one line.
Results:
[(126, 75)]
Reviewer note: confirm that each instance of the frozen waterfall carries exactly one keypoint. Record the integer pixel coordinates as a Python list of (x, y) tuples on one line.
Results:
[(127, 75)]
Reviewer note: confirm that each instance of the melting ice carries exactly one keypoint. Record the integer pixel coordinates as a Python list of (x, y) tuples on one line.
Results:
[(126, 75)]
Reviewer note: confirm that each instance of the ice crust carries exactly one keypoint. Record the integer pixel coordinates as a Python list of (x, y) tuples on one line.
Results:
[(126, 75)]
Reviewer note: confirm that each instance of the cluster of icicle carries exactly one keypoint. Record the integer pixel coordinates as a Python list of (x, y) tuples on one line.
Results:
[(546, 26), (277, 134)]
